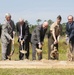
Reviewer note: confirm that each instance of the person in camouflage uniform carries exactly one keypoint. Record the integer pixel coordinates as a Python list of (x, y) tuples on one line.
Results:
[(53, 39)]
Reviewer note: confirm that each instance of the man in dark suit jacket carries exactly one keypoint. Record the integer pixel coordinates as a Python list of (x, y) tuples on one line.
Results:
[(70, 35), (23, 35), (37, 39)]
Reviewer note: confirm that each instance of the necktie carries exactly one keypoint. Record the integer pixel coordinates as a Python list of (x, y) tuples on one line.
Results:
[(21, 31)]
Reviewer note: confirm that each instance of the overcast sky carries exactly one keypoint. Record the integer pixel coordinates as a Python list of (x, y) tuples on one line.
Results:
[(32, 10)]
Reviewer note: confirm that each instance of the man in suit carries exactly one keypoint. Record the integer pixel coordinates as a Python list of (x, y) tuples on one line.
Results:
[(53, 39), (37, 39), (23, 38), (70, 35), (8, 30)]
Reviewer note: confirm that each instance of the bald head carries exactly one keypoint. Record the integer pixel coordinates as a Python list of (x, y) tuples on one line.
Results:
[(45, 25), (21, 21), (8, 16), (70, 18)]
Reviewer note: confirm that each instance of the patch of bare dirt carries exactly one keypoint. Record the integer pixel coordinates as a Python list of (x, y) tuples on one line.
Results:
[(37, 64)]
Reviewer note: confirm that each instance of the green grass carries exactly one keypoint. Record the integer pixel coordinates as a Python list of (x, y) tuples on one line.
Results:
[(36, 71)]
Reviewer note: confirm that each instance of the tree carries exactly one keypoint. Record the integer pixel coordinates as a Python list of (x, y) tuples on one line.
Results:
[(63, 28), (32, 27), (50, 21), (27, 22), (38, 21)]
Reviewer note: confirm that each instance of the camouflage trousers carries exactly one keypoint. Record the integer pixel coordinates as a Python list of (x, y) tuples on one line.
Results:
[(52, 49)]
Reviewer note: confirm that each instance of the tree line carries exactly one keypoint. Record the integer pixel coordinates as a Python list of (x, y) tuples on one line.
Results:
[(32, 26), (50, 23)]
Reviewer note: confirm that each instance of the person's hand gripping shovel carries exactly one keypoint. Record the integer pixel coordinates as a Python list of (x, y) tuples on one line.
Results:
[(39, 50), (22, 50), (12, 50)]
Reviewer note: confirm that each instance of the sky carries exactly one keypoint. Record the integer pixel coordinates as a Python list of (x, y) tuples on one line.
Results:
[(32, 10)]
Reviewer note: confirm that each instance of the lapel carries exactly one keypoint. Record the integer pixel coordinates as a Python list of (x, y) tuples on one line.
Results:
[(9, 26), (70, 26), (42, 30)]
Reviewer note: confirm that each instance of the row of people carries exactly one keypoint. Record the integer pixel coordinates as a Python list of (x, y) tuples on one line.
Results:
[(37, 38)]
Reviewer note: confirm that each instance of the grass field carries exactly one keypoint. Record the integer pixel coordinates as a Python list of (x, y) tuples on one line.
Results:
[(62, 56), (36, 71)]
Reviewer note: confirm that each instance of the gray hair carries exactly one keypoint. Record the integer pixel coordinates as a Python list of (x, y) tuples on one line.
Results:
[(7, 15)]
